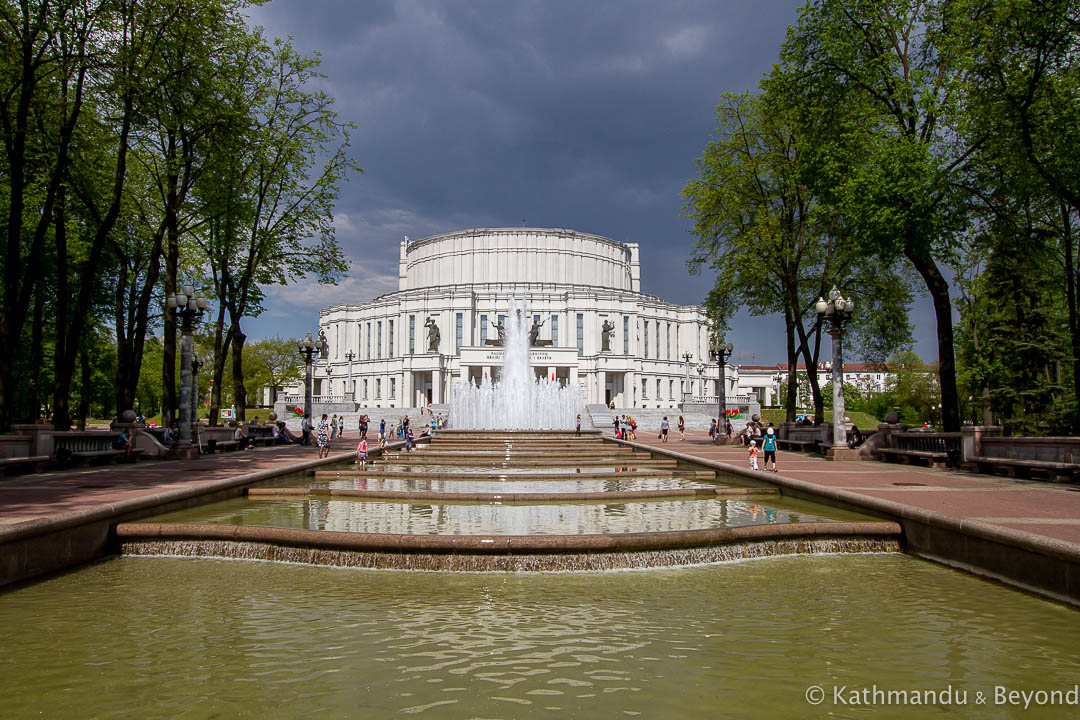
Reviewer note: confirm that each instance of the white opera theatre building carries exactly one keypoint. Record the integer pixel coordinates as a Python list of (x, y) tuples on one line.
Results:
[(577, 288)]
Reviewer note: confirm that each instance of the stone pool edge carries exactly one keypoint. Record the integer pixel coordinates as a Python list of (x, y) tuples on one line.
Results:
[(1026, 561), (33, 548)]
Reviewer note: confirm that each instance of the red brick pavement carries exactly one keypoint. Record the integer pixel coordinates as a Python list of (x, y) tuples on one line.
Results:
[(45, 495), (1035, 506)]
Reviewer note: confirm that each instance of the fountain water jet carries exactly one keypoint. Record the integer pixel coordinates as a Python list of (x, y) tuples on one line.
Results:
[(517, 400)]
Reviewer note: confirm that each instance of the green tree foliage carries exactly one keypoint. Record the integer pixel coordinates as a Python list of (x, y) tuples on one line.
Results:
[(273, 363), (133, 132), (896, 70)]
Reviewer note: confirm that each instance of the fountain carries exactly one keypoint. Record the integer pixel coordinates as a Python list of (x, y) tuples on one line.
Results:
[(517, 400)]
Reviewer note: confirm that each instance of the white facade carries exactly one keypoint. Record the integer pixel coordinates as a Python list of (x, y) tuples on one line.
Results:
[(571, 282)]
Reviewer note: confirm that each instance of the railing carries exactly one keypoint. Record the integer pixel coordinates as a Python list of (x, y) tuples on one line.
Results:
[(937, 442), (84, 442), (715, 399), (299, 399)]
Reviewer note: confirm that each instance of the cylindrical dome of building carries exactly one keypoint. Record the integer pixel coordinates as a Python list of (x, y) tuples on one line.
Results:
[(519, 255)]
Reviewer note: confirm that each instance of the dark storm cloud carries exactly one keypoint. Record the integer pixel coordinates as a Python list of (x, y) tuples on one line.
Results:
[(584, 115)]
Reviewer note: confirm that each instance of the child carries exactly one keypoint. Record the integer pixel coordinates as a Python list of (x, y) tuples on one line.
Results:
[(753, 455), (382, 433), (408, 439), (361, 454)]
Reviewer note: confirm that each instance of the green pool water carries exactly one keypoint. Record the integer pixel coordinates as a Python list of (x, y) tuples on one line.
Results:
[(175, 638), (428, 518), (516, 485)]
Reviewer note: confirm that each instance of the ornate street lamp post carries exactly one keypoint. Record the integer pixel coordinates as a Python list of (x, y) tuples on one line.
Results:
[(350, 356), (778, 378), (189, 307), (308, 349), (328, 391), (837, 310), (195, 365), (701, 380), (722, 350), (687, 390)]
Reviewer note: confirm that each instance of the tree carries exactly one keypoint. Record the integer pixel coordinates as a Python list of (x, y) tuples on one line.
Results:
[(273, 363), (273, 192), (895, 69), (772, 242)]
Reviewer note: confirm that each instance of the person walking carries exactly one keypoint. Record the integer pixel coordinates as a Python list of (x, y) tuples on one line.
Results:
[(382, 433), (577, 429), (769, 446), (333, 427), (712, 428), (753, 455), (728, 429), (408, 437), (633, 429), (322, 437), (305, 430), (664, 429), (363, 427), (361, 454), (682, 428), (616, 423)]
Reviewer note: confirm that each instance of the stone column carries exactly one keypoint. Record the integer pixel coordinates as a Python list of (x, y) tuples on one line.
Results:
[(601, 385), (573, 376), (550, 372), (630, 382), (436, 386)]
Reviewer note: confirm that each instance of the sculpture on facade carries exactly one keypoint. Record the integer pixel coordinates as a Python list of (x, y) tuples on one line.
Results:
[(607, 330), (534, 331), (433, 335), (501, 330), (324, 346)]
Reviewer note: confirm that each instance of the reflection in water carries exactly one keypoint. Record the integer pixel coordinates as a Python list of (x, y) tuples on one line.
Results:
[(425, 518), (234, 639)]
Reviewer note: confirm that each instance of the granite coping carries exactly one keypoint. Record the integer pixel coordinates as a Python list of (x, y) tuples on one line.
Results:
[(104, 511), (506, 497), (1041, 544), (501, 544)]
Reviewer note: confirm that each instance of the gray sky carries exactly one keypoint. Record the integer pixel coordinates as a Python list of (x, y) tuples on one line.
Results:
[(586, 115)]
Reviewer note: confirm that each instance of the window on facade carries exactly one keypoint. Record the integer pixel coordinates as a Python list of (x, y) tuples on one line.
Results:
[(580, 334), (378, 388), (483, 329), (645, 329), (667, 340), (626, 334), (657, 388), (365, 390), (459, 332), (644, 388), (555, 330), (393, 388), (390, 340), (671, 390), (412, 334), (367, 343), (378, 340), (657, 340)]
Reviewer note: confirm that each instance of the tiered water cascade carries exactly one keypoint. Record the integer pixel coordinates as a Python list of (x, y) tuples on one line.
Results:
[(510, 501), (517, 400)]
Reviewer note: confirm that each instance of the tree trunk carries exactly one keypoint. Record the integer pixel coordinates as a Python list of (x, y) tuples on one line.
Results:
[(1074, 323), (123, 358), (33, 400), (939, 291), (221, 349), (84, 389), (168, 363), (61, 379), (792, 362), (239, 389)]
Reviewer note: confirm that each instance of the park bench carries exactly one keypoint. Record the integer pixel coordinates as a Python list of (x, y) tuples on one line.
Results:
[(797, 445), (1019, 468), (32, 463), (932, 458), (89, 448), (935, 449)]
